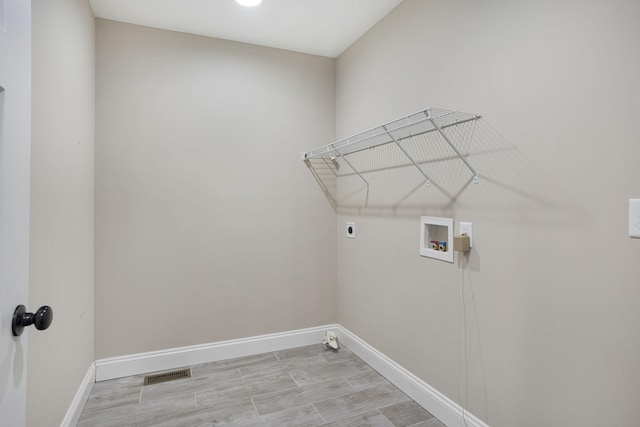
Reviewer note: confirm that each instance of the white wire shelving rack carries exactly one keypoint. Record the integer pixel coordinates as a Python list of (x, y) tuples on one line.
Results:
[(395, 132)]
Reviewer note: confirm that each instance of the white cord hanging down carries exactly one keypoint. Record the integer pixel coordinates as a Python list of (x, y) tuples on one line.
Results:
[(463, 342)]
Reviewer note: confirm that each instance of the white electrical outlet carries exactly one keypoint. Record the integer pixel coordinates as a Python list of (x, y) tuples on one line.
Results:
[(465, 228), (351, 230), (634, 218)]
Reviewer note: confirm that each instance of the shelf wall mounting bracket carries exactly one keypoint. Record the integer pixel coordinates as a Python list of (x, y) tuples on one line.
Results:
[(352, 167), (335, 165)]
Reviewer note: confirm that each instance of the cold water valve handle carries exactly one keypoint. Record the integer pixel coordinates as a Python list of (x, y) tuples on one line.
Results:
[(41, 319)]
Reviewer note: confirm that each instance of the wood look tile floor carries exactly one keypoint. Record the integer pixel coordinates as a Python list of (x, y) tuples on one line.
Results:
[(305, 386)]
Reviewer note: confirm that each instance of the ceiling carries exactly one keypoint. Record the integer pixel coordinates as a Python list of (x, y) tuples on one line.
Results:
[(319, 27)]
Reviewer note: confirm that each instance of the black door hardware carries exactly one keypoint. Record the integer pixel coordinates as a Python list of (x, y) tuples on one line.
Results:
[(41, 319)]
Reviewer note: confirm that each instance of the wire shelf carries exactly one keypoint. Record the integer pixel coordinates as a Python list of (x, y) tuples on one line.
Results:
[(398, 132)]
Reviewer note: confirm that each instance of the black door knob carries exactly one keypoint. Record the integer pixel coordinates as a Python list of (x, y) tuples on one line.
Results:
[(41, 319)]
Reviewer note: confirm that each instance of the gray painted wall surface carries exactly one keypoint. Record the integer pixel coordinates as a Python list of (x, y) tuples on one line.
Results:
[(550, 287), (61, 241), (208, 225)]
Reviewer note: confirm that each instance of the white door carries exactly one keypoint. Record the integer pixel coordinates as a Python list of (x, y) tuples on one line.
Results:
[(15, 141)]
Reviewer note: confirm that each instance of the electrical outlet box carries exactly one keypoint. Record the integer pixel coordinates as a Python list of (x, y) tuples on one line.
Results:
[(351, 230), (465, 228)]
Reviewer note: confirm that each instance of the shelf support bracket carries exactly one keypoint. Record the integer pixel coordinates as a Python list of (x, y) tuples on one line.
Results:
[(427, 180), (446, 138), (351, 166), (335, 165)]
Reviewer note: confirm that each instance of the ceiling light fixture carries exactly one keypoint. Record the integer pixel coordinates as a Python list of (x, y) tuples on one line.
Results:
[(249, 3)]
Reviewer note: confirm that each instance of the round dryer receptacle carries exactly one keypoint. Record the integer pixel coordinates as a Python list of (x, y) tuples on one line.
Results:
[(351, 230)]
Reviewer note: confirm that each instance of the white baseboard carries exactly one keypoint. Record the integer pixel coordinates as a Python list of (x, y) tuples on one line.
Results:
[(77, 405), (443, 408), (143, 363)]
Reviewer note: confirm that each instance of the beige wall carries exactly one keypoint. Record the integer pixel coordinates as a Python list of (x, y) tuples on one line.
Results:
[(61, 253), (208, 225), (551, 293)]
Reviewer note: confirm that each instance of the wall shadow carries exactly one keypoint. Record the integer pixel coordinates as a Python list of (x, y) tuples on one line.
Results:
[(510, 187)]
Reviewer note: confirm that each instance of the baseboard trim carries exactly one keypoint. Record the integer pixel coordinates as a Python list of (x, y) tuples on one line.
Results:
[(443, 408), (142, 363), (77, 405)]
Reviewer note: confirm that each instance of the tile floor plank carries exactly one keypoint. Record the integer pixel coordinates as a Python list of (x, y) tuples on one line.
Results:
[(297, 352), (302, 416), (299, 396), (253, 386), (366, 380), (359, 402), (112, 400), (227, 412), (369, 419), (127, 415), (405, 414), (230, 364), (330, 388), (286, 365), (431, 423), (341, 369)]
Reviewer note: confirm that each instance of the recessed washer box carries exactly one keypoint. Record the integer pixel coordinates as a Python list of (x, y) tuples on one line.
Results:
[(435, 229)]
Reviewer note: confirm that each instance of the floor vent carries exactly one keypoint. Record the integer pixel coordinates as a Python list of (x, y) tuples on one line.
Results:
[(167, 376)]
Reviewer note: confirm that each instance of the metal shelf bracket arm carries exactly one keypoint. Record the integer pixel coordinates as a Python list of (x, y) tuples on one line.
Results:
[(427, 180), (351, 166), (446, 138)]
